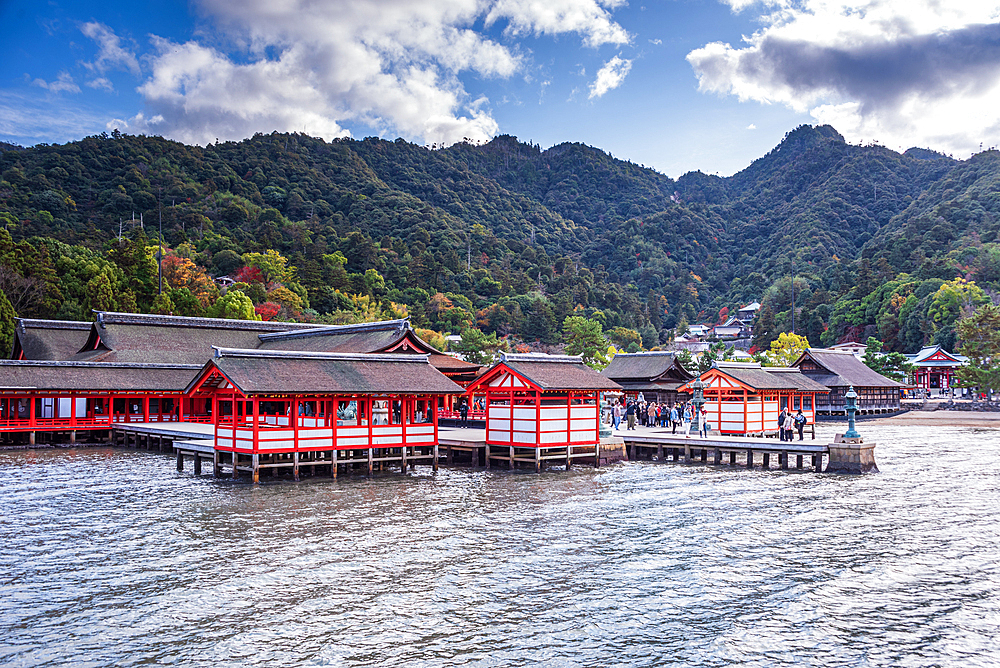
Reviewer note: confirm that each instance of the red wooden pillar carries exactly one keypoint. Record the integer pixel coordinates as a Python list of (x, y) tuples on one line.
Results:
[(255, 424)]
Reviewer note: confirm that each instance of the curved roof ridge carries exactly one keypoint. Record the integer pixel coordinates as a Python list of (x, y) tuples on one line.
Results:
[(400, 324), (301, 354)]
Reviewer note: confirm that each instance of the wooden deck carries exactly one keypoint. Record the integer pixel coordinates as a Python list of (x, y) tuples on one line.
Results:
[(655, 445)]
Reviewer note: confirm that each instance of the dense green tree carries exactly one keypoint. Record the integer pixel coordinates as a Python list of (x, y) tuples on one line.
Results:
[(980, 337), (585, 337)]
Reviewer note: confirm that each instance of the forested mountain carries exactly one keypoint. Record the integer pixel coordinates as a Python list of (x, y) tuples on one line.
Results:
[(503, 236)]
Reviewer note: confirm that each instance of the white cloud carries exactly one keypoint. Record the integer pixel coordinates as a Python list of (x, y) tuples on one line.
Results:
[(656, 42), (751, 127), (111, 55), (63, 84), (101, 83), (319, 65), (589, 18), (903, 72), (610, 76)]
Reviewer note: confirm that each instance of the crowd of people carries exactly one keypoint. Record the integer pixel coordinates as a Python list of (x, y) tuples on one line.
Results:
[(681, 415), (658, 414)]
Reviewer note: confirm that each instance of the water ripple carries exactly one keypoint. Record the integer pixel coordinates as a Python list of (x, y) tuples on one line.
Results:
[(109, 558)]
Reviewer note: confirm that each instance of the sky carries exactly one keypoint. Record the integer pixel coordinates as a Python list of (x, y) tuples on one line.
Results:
[(676, 85)]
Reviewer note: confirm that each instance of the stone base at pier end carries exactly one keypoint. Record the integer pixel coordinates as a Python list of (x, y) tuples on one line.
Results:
[(612, 450), (851, 455)]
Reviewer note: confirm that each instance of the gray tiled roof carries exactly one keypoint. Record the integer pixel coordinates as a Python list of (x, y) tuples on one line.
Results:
[(770, 378)]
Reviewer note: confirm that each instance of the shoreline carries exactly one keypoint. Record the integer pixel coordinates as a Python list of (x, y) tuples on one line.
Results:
[(937, 418)]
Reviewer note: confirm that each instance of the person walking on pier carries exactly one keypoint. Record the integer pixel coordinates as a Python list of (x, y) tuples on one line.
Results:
[(800, 422), (674, 419), (702, 417), (616, 415)]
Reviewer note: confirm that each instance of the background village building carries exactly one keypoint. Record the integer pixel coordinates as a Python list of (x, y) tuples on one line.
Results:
[(278, 409), (853, 347), (749, 312), (654, 375), (839, 370), (542, 407), (745, 398), (936, 367)]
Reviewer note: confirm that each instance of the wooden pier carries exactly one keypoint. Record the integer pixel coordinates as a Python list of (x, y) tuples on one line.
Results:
[(721, 450)]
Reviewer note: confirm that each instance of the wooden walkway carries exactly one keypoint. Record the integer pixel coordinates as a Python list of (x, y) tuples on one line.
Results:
[(652, 444)]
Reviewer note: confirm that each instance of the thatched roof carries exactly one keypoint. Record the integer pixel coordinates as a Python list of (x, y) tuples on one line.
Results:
[(132, 337), (63, 376), (646, 366), (835, 368), (48, 339), (294, 372), (554, 372)]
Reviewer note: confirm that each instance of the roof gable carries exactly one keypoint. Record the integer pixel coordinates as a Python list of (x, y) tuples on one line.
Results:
[(48, 339), (544, 373), (649, 366), (836, 368)]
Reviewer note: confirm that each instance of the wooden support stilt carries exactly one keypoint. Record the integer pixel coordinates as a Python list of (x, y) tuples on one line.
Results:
[(333, 464), (371, 464), (435, 459), (538, 458), (72, 437), (569, 457), (749, 459), (818, 463), (798, 461), (510, 461), (783, 460), (597, 455), (732, 458), (180, 461), (236, 466), (767, 461), (486, 452), (704, 454), (295, 466), (403, 450), (197, 463), (449, 456), (717, 457), (659, 452), (631, 451), (687, 453), (256, 468), (216, 468)]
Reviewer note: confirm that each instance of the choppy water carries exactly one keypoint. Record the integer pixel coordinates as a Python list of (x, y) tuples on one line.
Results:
[(110, 558)]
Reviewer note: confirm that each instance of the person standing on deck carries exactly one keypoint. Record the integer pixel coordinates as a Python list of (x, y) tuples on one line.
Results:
[(674, 419), (789, 424), (800, 422), (463, 410), (630, 411), (702, 417), (616, 415), (651, 420), (781, 423)]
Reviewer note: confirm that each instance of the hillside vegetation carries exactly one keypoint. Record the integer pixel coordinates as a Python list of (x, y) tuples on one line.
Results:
[(502, 236)]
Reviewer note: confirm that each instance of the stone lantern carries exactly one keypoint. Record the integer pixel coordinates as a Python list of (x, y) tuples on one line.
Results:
[(849, 453), (698, 401)]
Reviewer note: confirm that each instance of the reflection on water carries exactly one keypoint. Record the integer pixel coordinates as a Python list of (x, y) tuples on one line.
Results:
[(108, 557)]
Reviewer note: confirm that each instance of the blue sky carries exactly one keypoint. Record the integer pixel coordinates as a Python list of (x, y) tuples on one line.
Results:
[(677, 85)]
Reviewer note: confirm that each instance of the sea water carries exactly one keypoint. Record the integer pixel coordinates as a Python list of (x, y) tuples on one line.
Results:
[(109, 557)]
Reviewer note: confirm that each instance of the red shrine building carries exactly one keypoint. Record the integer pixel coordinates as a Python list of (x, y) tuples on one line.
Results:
[(74, 376), (314, 406), (745, 398), (541, 407), (936, 368)]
